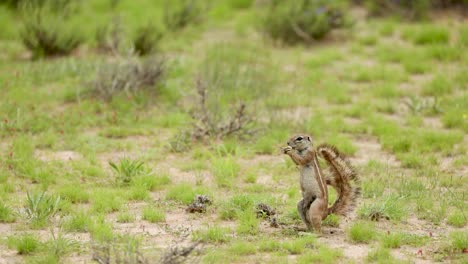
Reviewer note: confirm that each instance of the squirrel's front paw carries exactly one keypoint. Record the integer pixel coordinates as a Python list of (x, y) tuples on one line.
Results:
[(286, 149)]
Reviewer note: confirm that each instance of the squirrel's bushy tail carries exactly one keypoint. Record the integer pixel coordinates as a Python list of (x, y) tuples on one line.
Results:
[(343, 179)]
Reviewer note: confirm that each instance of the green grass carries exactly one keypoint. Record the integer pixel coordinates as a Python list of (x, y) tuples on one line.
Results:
[(214, 234), (388, 93), (457, 219), (6, 213), (153, 215), (362, 232), (77, 222), (25, 244), (427, 34)]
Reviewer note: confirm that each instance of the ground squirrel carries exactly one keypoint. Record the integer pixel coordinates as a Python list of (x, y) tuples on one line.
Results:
[(313, 208)]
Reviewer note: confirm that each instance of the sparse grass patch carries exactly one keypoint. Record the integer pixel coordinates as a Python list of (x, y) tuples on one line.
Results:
[(225, 170), (332, 220), (427, 35), (214, 234), (242, 248), (126, 170), (457, 219), (381, 255), (24, 244), (78, 222), (153, 215), (74, 193), (299, 245), (362, 232), (185, 192), (397, 239), (6, 213), (152, 182), (182, 13), (323, 255), (126, 217), (248, 223), (390, 207), (459, 240), (106, 200), (235, 206), (440, 85)]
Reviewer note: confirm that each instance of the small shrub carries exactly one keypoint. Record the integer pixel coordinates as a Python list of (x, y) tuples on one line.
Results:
[(181, 13), (130, 76), (362, 232), (153, 215), (110, 38), (46, 33), (40, 207), (146, 40), (415, 9), (302, 20)]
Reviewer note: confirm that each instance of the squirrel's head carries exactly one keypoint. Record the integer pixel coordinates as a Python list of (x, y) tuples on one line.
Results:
[(300, 142)]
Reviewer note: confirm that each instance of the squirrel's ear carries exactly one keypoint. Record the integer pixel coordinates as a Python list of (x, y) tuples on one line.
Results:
[(308, 138)]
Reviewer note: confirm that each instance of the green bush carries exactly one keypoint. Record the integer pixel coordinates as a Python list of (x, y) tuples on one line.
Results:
[(146, 40), (302, 20), (48, 33), (179, 14), (412, 9), (127, 75)]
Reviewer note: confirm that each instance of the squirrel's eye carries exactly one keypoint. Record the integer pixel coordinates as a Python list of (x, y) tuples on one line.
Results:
[(299, 138)]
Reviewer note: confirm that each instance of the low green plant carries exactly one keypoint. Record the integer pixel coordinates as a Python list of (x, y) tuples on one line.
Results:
[(182, 192), (126, 170), (6, 213), (299, 245), (390, 208), (459, 240), (362, 232), (302, 20), (59, 245), (323, 255), (225, 170), (126, 217), (412, 10), (397, 239), (138, 193), (24, 244), (332, 220), (457, 219), (74, 193), (214, 234), (381, 255), (248, 224), (40, 207), (152, 182), (153, 215), (106, 201), (78, 222), (242, 248)]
